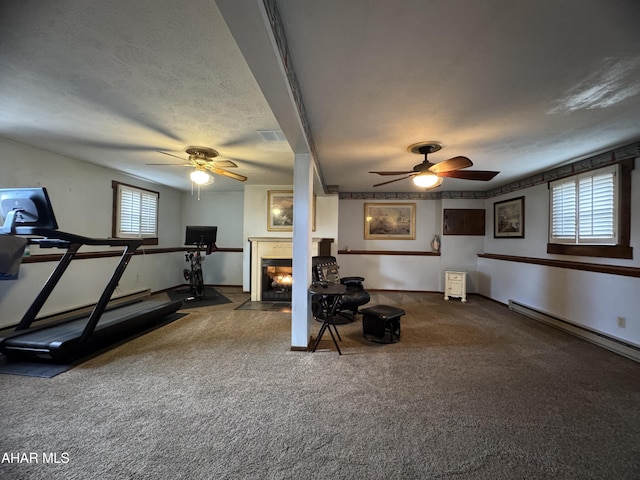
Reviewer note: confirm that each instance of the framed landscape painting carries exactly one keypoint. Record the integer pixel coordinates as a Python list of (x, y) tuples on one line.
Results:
[(280, 210), (390, 221), (508, 218)]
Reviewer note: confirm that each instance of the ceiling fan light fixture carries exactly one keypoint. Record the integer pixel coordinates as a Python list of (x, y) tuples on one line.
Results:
[(426, 180), (200, 177)]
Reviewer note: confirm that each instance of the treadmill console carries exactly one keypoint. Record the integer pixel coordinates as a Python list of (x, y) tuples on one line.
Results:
[(25, 209)]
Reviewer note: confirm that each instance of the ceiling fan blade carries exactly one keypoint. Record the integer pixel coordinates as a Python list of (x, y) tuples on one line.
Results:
[(172, 164), (483, 175), (170, 154), (225, 173), (224, 164), (455, 163), (393, 173), (396, 180)]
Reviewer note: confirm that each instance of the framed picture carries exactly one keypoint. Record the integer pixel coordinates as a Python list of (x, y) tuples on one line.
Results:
[(280, 210), (390, 221), (508, 218)]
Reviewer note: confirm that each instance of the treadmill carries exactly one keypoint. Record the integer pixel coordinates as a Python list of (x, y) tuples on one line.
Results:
[(28, 211)]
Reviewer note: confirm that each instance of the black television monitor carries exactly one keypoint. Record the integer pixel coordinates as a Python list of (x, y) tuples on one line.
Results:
[(200, 235), (25, 209)]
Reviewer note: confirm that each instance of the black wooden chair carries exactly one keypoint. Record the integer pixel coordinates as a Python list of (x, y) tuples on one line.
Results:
[(325, 270)]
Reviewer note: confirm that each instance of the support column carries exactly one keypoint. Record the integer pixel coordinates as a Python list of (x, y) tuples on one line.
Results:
[(302, 241)]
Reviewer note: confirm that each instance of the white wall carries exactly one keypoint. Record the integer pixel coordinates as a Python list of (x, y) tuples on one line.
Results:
[(534, 243), (82, 199), (400, 272), (224, 210), (327, 220), (589, 299)]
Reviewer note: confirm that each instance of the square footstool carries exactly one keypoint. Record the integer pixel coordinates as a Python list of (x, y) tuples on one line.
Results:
[(381, 323)]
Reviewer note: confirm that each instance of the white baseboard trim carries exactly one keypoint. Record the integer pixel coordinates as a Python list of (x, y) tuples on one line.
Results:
[(617, 346)]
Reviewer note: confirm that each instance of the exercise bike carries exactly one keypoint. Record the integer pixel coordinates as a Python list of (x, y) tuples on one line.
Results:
[(202, 237), (194, 274)]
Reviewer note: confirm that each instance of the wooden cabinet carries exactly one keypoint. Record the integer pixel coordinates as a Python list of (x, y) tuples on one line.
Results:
[(463, 221), (455, 285)]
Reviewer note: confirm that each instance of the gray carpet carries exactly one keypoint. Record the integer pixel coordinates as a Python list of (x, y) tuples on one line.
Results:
[(472, 391)]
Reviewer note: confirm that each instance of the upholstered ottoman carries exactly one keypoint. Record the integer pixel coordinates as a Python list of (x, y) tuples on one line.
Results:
[(381, 323)]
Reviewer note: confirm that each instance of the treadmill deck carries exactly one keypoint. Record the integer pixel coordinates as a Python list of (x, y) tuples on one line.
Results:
[(62, 340)]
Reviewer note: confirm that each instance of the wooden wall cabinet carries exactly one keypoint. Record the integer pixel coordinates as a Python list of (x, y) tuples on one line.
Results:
[(463, 221)]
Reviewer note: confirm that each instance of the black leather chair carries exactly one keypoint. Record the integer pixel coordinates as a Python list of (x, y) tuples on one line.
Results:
[(325, 270)]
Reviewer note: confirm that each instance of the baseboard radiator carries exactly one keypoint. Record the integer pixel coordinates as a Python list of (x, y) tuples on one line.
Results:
[(617, 346)]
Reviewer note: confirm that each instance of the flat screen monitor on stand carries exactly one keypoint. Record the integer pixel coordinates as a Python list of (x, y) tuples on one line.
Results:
[(200, 236)]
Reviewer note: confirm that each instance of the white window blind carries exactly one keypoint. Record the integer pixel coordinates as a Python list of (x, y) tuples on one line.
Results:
[(584, 208), (137, 212), (563, 213)]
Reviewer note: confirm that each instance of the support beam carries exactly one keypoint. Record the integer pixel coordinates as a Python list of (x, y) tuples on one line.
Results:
[(302, 240), (248, 22)]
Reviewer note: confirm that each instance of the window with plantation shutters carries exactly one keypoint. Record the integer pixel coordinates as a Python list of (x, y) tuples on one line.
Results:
[(584, 208), (563, 211), (136, 212)]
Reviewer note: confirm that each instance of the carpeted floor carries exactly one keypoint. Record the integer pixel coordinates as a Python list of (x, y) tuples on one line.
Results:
[(471, 391)]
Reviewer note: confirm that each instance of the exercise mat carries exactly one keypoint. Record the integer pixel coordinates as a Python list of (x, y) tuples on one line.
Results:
[(211, 297), (283, 307)]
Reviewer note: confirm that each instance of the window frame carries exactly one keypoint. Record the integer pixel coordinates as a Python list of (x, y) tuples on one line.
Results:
[(148, 239), (622, 248)]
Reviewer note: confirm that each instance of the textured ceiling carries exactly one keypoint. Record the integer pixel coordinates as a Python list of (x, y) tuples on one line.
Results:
[(112, 82), (517, 86)]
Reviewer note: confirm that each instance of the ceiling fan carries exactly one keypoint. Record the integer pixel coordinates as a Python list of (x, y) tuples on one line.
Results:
[(430, 175), (202, 160)]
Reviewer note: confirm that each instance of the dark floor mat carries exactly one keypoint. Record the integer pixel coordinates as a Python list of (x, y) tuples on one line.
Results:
[(211, 297), (283, 307)]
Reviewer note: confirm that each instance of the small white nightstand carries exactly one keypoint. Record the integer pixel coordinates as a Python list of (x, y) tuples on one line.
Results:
[(455, 285)]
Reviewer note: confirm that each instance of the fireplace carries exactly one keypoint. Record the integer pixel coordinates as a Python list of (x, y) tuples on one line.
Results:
[(279, 249), (276, 279)]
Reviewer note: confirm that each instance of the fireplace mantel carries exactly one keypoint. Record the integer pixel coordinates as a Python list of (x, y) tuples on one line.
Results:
[(276, 247)]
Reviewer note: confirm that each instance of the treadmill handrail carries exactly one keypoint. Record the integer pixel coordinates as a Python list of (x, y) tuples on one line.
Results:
[(73, 238), (100, 307), (75, 242), (50, 284)]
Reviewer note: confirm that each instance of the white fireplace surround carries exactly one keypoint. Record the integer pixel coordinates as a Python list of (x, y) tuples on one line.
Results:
[(270, 247)]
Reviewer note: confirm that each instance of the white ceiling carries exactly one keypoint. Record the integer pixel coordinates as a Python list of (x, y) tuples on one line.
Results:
[(517, 86)]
